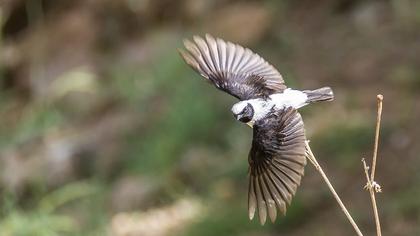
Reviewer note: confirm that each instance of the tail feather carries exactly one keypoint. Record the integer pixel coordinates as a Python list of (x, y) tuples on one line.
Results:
[(320, 95)]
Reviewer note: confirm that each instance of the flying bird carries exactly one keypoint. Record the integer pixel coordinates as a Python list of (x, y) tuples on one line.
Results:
[(278, 153)]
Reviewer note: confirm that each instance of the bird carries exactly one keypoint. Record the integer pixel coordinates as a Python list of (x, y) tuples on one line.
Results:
[(277, 157)]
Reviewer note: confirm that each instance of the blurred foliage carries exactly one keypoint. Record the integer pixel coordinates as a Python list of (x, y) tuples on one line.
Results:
[(343, 142), (44, 218)]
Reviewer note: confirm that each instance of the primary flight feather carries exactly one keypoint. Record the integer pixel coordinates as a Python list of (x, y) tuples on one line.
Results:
[(278, 156)]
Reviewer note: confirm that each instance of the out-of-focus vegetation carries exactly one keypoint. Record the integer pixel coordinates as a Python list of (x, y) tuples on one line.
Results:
[(105, 131)]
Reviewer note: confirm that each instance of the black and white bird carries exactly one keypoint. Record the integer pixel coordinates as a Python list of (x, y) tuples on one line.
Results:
[(278, 154)]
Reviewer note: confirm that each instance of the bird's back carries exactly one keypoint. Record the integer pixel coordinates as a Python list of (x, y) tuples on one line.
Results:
[(289, 98)]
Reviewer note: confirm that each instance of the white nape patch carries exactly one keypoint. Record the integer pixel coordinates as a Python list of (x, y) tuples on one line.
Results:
[(239, 107), (261, 108)]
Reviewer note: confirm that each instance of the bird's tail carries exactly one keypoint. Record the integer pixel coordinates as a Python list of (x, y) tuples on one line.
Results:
[(320, 95)]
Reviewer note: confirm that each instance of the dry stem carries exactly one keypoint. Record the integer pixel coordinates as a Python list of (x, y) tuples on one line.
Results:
[(380, 98), (371, 185), (313, 160)]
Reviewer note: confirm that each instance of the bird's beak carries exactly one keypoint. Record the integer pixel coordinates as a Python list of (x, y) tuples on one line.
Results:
[(250, 124)]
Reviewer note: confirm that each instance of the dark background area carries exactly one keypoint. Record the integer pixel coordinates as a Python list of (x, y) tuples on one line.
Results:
[(104, 130)]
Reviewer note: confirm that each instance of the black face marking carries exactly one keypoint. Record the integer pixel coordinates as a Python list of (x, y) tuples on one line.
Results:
[(246, 114), (245, 119)]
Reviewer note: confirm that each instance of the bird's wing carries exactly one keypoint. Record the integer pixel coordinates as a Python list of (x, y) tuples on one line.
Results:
[(276, 163), (232, 68)]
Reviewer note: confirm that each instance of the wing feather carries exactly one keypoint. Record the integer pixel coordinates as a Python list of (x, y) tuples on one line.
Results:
[(213, 52), (221, 48), (239, 51), (204, 53), (230, 55), (232, 68), (282, 184), (274, 196), (291, 171), (271, 205), (278, 189), (252, 199), (285, 179), (277, 160), (262, 208)]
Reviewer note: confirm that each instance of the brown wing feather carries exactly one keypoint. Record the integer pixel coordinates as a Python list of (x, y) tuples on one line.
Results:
[(277, 160), (232, 68)]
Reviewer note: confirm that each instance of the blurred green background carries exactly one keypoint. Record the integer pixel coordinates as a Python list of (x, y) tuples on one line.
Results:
[(105, 131)]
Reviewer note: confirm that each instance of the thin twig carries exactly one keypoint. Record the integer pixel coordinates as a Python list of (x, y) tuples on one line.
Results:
[(371, 185), (380, 98), (366, 168), (313, 160)]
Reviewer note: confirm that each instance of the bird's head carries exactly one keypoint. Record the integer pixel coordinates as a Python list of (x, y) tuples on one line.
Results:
[(243, 111)]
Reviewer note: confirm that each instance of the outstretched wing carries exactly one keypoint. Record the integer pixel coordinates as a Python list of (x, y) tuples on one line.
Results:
[(277, 160), (232, 68)]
